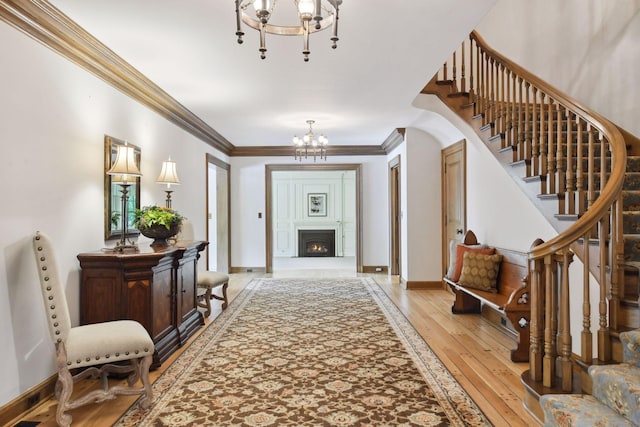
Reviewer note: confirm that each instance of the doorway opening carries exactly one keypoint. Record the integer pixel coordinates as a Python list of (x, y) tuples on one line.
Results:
[(313, 197), (394, 217), (218, 215)]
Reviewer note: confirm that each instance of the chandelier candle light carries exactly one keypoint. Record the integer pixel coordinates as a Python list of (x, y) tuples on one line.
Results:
[(168, 175), (323, 12), (125, 166), (309, 145)]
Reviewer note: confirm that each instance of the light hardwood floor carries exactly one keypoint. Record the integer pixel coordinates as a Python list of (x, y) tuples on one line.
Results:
[(475, 351)]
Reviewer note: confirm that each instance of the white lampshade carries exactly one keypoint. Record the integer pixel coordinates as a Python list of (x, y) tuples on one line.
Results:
[(125, 163), (259, 5), (306, 9), (168, 174)]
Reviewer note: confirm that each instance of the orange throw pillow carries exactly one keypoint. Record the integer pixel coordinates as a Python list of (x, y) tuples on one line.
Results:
[(460, 250)]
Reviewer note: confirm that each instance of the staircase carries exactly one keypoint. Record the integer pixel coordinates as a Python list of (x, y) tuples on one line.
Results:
[(583, 174), (615, 397)]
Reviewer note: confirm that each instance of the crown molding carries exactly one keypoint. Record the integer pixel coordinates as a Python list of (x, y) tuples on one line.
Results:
[(46, 24), (288, 150), (393, 140), (49, 26)]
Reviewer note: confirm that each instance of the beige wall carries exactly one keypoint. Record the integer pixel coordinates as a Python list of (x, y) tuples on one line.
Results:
[(588, 49)]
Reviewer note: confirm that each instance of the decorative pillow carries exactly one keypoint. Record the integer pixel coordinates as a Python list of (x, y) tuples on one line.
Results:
[(452, 255), (460, 251), (480, 271)]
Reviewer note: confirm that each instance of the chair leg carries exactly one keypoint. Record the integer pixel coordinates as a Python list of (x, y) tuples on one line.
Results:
[(65, 381), (147, 397), (204, 301), (223, 298), (224, 295)]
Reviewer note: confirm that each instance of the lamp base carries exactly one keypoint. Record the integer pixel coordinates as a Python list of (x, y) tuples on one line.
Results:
[(126, 247)]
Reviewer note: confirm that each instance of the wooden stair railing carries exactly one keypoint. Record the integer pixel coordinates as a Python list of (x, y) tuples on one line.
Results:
[(579, 158)]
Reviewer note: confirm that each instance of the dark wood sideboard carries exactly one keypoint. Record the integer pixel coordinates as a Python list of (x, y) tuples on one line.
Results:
[(156, 288)]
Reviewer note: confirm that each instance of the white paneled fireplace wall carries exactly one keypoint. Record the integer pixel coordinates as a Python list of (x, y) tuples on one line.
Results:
[(292, 212)]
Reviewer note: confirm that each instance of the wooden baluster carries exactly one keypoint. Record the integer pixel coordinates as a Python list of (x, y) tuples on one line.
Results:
[(566, 371), (543, 142), (535, 147), (513, 131), (472, 97), (522, 153), (580, 190), (454, 79), (591, 193), (463, 81), (561, 160), (551, 160), (617, 275), (604, 339), (491, 98), (586, 337), (571, 161), (497, 104), (483, 88), (502, 113), (537, 326), (551, 322), (603, 162), (561, 163), (444, 72), (505, 106), (526, 129)]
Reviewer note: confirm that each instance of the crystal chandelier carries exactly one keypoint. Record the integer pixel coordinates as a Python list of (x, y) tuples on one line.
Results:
[(323, 12), (309, 145)]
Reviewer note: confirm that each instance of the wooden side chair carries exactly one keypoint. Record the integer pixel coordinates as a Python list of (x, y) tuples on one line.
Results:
[(207, 280), (90, 346)]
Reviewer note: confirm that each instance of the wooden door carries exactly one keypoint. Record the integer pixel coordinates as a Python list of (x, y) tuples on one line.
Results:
[(454, 196), (394, 217)]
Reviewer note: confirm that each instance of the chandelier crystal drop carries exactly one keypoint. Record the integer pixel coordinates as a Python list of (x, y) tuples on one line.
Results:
[(309, 145), (323, 12)]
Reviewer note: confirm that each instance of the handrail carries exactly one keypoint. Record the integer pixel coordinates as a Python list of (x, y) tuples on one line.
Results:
[(610, 193)]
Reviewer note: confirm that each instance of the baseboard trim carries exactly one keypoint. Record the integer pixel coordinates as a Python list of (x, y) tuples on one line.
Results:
[(28, 400), (375, 269), (421, 284), (248, 270)]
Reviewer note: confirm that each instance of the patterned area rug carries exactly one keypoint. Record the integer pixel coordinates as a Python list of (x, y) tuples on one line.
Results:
[(300, 352)]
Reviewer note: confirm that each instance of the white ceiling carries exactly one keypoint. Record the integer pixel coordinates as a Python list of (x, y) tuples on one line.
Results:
[(357, 94)]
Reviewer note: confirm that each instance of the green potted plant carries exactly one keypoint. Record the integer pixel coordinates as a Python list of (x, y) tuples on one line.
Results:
[(158, 223)]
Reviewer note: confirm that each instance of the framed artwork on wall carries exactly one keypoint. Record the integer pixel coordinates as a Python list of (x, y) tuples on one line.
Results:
[(317, 204)]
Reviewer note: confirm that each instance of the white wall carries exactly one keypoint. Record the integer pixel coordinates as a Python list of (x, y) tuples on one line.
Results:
[(248, 231), (497, 210), (53, 118), (420, 200), (588, 49)]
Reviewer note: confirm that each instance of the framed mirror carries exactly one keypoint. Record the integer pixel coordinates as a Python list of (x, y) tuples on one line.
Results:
[(113, 193)]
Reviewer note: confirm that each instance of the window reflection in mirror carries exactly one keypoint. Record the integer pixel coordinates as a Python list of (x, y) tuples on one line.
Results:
[(113, 193)]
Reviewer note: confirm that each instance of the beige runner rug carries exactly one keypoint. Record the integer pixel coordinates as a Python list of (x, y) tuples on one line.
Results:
[(308, 352)]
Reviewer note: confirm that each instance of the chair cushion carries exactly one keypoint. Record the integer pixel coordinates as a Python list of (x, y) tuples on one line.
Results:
[(480, 271), (460, 251), (106, 343), (211, 279)]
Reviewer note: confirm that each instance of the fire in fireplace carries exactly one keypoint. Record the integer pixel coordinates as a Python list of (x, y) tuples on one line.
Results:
[(316, 243)]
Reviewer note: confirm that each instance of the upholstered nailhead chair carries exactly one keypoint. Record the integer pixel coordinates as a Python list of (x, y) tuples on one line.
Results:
[(89, 345), (207, 280)]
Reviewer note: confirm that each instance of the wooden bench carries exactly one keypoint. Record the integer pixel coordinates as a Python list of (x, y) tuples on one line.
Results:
[(511, 300)]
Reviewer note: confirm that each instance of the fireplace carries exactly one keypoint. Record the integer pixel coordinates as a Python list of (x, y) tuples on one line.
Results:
[(316, 243)]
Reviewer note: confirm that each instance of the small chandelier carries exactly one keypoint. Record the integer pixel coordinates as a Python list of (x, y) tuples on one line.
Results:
[(323, 12), (309, 145)]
